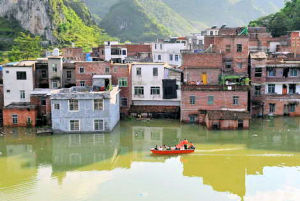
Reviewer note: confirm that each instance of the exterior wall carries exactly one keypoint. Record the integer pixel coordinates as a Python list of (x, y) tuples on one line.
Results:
[(69, 82), (147, 80), (122, 71), (40, 81), (90, 69), (223, 100), (86, 113), (73, 54), (23, 115), (226, 124), (12, 86), (295, 42), (167, 50), (55, 76), (43, 111), (280, 106)]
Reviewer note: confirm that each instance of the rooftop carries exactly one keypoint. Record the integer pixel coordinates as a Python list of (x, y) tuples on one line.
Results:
[(20, 105), (28, 63), (39, 91)]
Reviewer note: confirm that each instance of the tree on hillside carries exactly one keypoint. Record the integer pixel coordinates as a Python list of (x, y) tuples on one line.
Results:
[(25, 47)]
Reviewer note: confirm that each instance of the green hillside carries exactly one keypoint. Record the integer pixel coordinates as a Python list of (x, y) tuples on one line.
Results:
[(9, 29), (128, 20), (287, 19)]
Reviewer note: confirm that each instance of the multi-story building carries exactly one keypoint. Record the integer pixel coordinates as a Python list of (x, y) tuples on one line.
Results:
[(85, 109), (18, 81), (168, 51), (275, 85), (73, 54), (55, 71), (156, 89)]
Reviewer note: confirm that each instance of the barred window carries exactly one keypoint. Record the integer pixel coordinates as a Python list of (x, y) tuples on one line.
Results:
[(73, 105), (74, 125), (98, 104), (98, 125)]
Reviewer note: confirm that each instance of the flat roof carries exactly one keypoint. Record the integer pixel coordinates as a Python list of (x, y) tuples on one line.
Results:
[(28, 63), (40, 91)]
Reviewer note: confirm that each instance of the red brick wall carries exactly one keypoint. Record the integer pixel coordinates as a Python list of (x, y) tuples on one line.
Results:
[(90, 69), (222, 99), (206, 60), (295, 42), (75, 54), (23, 114), (279, 108)]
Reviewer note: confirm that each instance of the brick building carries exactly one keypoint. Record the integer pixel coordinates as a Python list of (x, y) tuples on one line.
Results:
[(73, 54), (198, 100), (19, 115), (275, 85), (204, 68)]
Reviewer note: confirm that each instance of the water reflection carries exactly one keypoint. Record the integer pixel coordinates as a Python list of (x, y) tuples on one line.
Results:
[(223, 159)]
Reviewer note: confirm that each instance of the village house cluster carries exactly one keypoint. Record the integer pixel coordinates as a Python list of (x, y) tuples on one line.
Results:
[(219, 78)]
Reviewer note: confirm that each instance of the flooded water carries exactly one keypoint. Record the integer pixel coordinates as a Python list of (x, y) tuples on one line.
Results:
[(262, 164)]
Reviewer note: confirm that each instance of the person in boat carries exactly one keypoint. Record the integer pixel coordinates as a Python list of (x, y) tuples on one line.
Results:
[(191, 146), (185, 143), (177, 147), (155, 147)]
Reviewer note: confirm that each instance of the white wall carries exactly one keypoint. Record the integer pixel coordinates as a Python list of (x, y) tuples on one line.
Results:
[(11, 83), (278, 88), (167, 50)]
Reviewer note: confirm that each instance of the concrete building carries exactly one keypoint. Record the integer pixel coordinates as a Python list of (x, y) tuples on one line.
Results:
[(55, 71), (156, 88), (85, 110), (18, 81), (168, 52), (20, 114)]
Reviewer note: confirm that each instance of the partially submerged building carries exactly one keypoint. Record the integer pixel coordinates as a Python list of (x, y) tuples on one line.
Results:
[(85, 110)]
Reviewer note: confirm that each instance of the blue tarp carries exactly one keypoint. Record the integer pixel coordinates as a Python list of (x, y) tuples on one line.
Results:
[(88, 57)]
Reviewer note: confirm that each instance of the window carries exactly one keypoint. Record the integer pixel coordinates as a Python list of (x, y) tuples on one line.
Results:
[(138, 91), (155, 46), (138, 71), (240, 65), (124, 52), (258, 72), (159, 57), (239, 48), (192, 100), (56, 106), (123, 82), (115, 69), (192, 118), (22, 94), (155, 71), (82, 83), (271, 88), (21, 75), (235, 100), (73, 105), (98, 125), (176, 57), (15, 119), (54, 84), (107, 70), (98, 104), (44, 74), (124, 102), (54, 68), (271, 72), (155, 90), (74, 125), (81, 69), (29, 120), (8, 91), (69, 74), (228, 48), (211, 33), (171, 57), (161, 46), (257, 90), (272, 107), (210, 100), (43, 101), (294, 72), (7, 71), (228, 65), (292, 107)]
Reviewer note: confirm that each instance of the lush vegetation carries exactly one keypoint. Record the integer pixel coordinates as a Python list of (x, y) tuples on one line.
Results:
[(287, 19), (71, 28), (127, 20), (178, 17), (25, 47), (8, 31)]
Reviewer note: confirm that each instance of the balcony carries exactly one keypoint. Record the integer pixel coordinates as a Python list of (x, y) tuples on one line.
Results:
[(191, 87)]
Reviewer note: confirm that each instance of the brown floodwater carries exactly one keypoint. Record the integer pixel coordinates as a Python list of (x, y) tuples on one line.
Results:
[(262, 164)]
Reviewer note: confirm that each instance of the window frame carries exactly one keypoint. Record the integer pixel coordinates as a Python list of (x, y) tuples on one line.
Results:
[(239, 48), (54, 68), (154, 89), (82, 83), (20, 75), (71, 105), (122, 99), (98, 106), (81, 70), (123, 82), (22, 94), (192, 100), (271, 86), (258, 71), (55, 106), (140, 89), (138, 71), (235, 100), (15, 117), (103, 128), (210, 100), (155, 72), (74, 121)]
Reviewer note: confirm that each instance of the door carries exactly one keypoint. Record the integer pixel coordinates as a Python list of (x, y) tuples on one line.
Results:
[(204, 78), (240, 124), (284, 89)]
